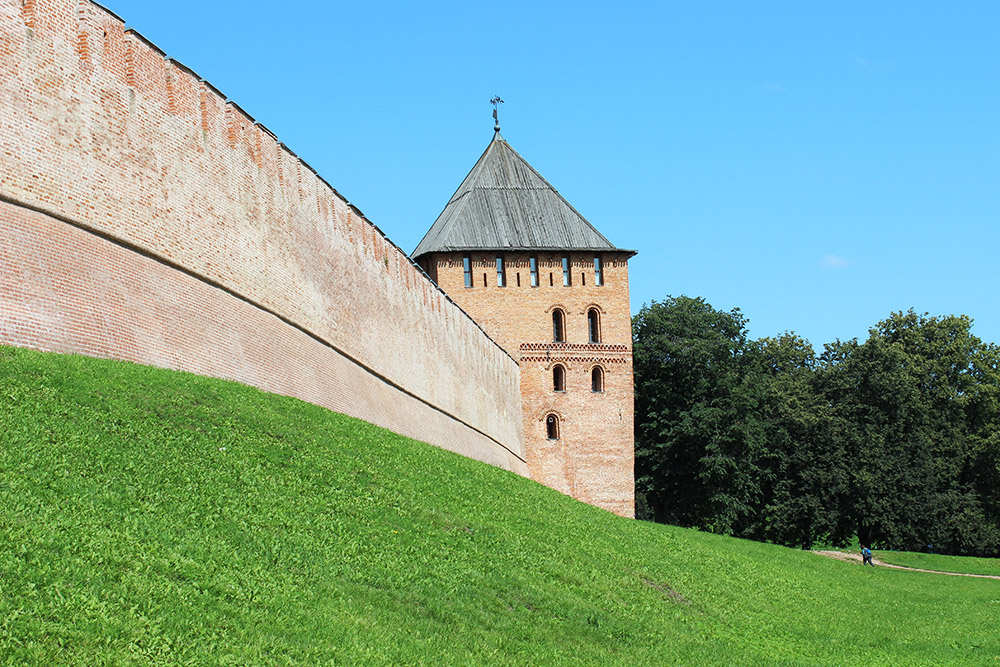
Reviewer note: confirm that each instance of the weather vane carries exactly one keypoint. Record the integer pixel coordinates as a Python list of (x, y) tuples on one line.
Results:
[(496, 101)]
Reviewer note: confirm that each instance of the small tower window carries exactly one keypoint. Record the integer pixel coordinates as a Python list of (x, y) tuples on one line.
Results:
[(501, 273), (467, 266), (594, 325), (597, 379), (567, 276), (552, 427), (558, 378), (533, 265), (558, 326), (598, 271)]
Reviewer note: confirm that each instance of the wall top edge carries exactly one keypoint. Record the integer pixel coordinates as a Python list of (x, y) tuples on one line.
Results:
[(181, 66), (323, 181), (107, 11), (528, 250), (236, 106), (274, 136), (215, 90), (308, 166), (135, 33)]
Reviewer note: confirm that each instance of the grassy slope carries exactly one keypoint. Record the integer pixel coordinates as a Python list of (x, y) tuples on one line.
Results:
[(941, 563), (151, 517), (936, 562)]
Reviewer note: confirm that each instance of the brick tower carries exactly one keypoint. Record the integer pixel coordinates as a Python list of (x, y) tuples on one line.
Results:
[(553, 292)]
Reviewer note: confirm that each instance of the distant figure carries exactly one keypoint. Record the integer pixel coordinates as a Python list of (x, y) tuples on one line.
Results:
[(866, 554)]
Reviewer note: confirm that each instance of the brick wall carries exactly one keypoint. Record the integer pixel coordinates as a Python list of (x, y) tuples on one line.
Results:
[(592, 460), (511, 314), (119, 149)]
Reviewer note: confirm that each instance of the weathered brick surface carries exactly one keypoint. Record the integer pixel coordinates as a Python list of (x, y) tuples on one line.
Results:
[(593, 458), (100, 130), (67, 290)]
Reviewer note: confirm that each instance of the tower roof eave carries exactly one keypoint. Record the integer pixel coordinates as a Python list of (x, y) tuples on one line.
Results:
[(505, 204), (528, 249)]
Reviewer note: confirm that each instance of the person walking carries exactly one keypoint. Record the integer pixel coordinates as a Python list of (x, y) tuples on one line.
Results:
[(866, 554)]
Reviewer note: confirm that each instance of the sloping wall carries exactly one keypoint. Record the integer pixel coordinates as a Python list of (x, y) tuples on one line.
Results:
[(144, 217)]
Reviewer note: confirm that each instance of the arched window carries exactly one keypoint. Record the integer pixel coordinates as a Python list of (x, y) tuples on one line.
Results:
[(558, 378), (597, 379), (594, 325), (552, 427), (558, 326)]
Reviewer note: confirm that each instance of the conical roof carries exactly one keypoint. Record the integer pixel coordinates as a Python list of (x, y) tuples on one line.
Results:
[(504, 204)]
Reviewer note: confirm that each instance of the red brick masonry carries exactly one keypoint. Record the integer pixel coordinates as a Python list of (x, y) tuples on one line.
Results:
[(592, 460), (144, 217)]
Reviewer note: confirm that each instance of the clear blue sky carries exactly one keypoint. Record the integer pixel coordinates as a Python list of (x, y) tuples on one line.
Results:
[(816, 165)]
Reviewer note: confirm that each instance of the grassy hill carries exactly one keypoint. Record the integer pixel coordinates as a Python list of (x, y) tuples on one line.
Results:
[(153, 517)]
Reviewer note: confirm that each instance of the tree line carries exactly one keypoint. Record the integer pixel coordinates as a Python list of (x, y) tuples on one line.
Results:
[(895, 439)]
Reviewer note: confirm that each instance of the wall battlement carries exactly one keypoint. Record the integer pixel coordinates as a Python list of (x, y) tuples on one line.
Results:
[(117, 162)]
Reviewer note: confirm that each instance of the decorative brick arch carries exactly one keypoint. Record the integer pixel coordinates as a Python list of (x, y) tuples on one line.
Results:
[(559, 372), (597, 378), (559, 324), (594, 333)]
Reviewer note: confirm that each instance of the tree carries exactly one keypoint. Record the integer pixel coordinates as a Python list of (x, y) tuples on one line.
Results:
[(697, 442), (806, 462), (895, 440), (916, 402)]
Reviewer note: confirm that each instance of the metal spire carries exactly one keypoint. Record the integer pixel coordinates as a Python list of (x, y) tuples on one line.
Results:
[(496, 121)]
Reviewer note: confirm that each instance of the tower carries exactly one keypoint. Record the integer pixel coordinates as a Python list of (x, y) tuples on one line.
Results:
[(553, 292)]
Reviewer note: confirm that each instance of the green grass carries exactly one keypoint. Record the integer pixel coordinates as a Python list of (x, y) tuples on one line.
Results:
[(936, 562), (940, 563), (152, 517)]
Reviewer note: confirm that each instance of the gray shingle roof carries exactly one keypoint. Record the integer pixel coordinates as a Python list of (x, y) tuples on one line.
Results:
[(504, 204)]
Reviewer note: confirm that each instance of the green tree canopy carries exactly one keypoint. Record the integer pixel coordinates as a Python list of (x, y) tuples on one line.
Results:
[(918, 405), (895, 440), (695, 437)]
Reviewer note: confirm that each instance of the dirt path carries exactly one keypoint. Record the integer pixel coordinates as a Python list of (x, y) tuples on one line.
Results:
[(856, 558)]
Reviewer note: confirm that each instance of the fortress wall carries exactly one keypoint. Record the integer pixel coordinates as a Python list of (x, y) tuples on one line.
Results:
[(108, 149)]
